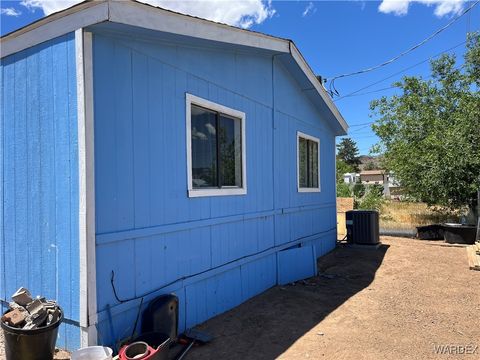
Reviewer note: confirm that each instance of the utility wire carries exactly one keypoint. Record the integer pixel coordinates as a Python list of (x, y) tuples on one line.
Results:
[(400, 72), (332, 79), (367, 123), (393, 86)]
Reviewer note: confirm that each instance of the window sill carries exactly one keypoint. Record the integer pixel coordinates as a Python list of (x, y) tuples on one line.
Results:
[(308, 190), (216, 192)]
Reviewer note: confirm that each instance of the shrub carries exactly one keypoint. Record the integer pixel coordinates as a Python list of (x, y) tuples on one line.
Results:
[(358, 190), (343, 190), (372, 200)]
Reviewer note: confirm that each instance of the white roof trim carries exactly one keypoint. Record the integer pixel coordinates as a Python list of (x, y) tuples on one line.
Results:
[(146, 16), (58, 24), (299, 59), (141, 15)]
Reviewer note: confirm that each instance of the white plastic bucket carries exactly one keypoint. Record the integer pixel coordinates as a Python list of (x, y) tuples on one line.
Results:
[(93, 353)]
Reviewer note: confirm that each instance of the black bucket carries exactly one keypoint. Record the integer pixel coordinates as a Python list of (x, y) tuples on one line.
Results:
[(36, 344)]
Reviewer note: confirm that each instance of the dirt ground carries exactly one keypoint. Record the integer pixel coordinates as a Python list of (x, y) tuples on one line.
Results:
[(399, 302)]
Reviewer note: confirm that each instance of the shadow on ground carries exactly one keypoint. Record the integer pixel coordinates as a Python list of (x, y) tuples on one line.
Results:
[(267, 325)]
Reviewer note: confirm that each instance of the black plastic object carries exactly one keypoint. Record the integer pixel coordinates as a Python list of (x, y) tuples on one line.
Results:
[(161, 316), (430, 232), (459, 234), (362, 227), (35, 344)]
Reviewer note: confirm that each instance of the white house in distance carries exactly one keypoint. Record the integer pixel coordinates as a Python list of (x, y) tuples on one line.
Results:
[(351, 178), (376, 177)]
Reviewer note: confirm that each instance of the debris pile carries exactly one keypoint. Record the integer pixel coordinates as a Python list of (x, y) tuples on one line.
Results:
[(29, 313)]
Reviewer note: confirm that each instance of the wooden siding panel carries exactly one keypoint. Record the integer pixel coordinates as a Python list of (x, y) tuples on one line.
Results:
[(296, 264), (258, 276), (40, 182), (106, 201), (123, 129), (169, 236), (141, 146)]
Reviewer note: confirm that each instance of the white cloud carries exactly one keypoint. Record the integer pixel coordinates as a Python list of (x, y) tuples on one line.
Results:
[(242, 13), (309, 9), (48, 6), (10, 12), (442, 7)]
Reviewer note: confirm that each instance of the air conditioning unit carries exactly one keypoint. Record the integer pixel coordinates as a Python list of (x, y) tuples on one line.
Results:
[(362, 227)]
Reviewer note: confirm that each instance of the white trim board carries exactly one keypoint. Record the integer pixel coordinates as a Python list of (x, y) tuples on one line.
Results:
[(300, 60), (88, 297), (82, 188), (317, 140), (90, 185), (195, 100)]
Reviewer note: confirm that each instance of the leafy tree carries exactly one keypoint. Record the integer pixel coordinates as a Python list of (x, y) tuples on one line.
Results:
[(430, 132), (347, 151), (372, 200), (370, 166), (342, 168), (358, 190), (343, 190)]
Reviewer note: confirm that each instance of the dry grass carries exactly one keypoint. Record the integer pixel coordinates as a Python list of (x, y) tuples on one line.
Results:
[(408, 215)]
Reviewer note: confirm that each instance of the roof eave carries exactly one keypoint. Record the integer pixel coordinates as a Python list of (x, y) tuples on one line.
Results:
[(300, 60), (141, 15), (55, 25)]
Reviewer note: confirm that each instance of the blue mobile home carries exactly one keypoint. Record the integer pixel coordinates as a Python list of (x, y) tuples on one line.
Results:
[(146, 152)]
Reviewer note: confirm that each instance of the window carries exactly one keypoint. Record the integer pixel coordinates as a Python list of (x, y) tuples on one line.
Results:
[(215, 149), (308, 159)]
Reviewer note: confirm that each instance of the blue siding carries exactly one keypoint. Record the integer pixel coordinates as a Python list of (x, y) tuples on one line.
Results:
[(296, 264), (39, 178), (214, 252)]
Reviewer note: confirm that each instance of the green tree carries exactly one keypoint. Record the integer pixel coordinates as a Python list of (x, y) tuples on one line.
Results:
[(370, 166), (343, 190), (430, 132), (342, 168), (372, 200), (347, 151), (358, 190)]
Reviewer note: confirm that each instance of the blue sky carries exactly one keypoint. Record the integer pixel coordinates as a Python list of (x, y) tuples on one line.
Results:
[(335, 37)]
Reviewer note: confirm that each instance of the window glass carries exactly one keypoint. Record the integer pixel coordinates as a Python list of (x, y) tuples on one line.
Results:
[(230, 151), (314, 164), (307, 163), (204, 148), (216, 149), (302, 158)]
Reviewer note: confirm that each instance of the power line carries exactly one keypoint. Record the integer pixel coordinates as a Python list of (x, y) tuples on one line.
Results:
[(400, 71), (332, 79), (367, 123), (371, 92)]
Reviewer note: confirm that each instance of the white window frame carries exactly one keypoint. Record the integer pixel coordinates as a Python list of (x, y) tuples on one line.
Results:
[(225, 191), (317, 140)]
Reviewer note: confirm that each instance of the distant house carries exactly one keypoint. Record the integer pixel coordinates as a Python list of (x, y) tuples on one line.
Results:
[(391, 186), (351, 178), (370, 177), (146, 152)]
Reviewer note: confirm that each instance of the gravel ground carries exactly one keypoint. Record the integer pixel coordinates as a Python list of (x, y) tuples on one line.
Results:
[(398, 302), (395, 303)]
